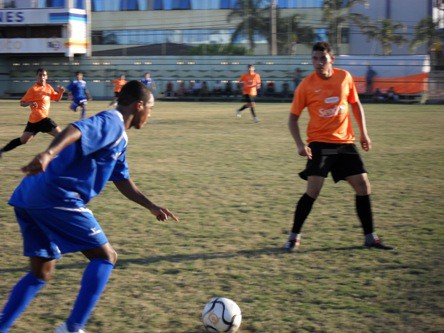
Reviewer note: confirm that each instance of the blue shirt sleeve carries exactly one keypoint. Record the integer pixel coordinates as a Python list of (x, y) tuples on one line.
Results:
[(99, 131)]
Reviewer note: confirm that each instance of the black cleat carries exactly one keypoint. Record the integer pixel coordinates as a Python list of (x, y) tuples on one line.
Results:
[(377, 244)]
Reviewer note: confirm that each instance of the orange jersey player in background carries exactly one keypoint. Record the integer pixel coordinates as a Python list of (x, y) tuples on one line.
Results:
[(38, 98), (118, 84), (251, 82)]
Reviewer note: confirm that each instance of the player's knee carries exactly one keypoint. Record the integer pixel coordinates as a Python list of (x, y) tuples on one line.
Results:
[(25, 140), (44, 274), (313, 192), (112, 256), (363, 187)]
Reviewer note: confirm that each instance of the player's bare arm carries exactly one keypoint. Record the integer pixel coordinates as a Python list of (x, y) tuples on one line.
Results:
[(60, 91), (39, 164), (358, 112), (129, 189), (293, 124)]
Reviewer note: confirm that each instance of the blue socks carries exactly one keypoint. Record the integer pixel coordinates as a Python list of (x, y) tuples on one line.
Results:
[(92, 285), (21, 295)]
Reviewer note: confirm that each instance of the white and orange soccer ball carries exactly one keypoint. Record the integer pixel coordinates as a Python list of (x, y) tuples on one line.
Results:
[(221, 315)]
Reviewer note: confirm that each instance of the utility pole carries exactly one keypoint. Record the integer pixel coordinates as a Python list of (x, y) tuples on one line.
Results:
[(273, 47)]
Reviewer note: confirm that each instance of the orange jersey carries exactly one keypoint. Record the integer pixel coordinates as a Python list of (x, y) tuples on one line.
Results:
[(327, 103), (118, 85), (251, 81), (42, 95)]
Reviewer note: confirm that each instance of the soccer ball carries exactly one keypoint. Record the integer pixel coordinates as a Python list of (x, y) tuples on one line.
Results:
[(221, 315)]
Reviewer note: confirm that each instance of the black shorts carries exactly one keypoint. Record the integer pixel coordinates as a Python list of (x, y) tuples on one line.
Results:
[(342, 160), (116, 94), (45, 125), (249, 98)]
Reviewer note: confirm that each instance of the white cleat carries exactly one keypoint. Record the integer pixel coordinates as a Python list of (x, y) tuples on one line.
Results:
[(63, 329)]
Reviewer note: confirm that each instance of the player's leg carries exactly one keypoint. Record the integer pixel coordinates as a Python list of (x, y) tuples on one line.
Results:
[(252, 105), (243, 107), (20, 297), (42, 255), (361, 185), (24, 139), (303, 209), (94, 280), (82, 115), (315, 172), (80, 231)]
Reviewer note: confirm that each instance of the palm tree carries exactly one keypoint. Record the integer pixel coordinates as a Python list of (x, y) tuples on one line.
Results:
[(290, 33), (426, 32), (384, 31), (256, 21), (336, 13), (251, 17)]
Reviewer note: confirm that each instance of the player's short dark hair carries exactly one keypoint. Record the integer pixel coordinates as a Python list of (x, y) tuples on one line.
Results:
[(250, 65), (79, 72), (40, 70), (134, 91), (323, 47)]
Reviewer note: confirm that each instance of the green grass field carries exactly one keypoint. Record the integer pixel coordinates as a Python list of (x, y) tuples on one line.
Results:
[(234, 185)]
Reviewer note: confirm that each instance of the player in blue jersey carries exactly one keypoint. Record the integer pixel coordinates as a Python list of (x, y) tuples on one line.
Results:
[(50, 203), (79, 94), (149, 82)]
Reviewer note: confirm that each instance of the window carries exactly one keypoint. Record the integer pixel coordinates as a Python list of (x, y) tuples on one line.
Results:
[(129, 5), (299, 3), (228, 4), (181, 4)]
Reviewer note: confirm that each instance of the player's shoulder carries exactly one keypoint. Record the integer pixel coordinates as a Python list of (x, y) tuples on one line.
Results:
[(341, 72)]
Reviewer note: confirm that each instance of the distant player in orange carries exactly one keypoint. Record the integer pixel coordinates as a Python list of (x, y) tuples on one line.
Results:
[(251, 81), (118, 84), (38, 98), (327, 93)]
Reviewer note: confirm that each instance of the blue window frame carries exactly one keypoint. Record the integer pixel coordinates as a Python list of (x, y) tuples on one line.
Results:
[(158, 5), (228, 4), (181, 4), (129, 5)]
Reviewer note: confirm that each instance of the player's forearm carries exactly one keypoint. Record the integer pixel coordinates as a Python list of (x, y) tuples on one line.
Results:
[(131, 192), (25, 104), (358, 112), (293, 126)]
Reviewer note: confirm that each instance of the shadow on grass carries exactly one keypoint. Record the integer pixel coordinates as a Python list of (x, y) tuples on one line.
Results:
[(124, 262)]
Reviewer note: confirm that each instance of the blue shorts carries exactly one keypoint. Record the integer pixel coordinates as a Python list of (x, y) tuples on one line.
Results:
[(49, 233), (78, 103)]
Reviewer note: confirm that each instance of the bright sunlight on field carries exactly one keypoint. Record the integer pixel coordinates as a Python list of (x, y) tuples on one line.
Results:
[(234, 185)]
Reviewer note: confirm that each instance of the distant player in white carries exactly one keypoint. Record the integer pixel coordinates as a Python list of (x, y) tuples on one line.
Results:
[(50, 203)]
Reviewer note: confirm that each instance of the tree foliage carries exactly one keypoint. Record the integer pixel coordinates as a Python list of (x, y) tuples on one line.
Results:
[(255, 21), (385, 32), (336, 13), (426, 32)]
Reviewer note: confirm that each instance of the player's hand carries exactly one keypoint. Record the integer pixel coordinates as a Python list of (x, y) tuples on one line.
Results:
[(305, 151), (33, 104), (61, 89), (162, 214), (38, 164), (366, 143)]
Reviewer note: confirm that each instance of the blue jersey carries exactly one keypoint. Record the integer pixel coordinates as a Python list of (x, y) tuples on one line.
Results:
[(82, 169), (148, 82), (77, 89)]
